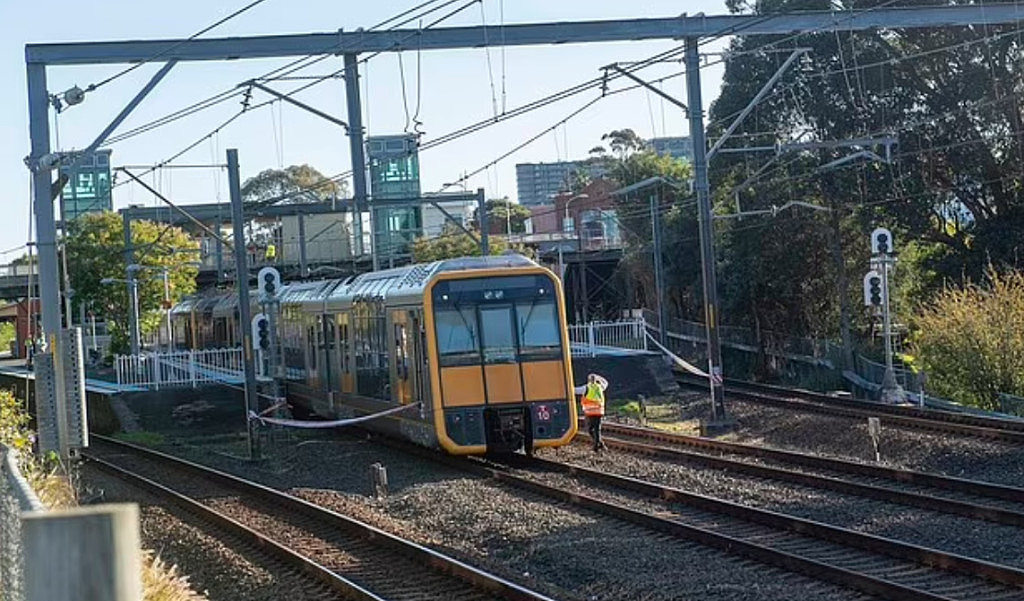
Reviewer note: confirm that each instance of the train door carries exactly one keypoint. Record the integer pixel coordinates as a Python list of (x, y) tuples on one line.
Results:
[(330, 348), (418, 359), (400, 379), (344, 355)]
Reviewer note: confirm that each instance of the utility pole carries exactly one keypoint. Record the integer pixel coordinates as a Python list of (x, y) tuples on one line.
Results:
[(355, 137), (659, 274), (129, 261), (481, 203), (244, 309), (707, 249)]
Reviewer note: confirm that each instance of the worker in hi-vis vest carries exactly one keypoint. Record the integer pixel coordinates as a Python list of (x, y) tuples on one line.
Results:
[(593, 406)]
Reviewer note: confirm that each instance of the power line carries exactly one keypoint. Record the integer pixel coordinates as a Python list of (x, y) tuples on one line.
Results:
[(174, 47)]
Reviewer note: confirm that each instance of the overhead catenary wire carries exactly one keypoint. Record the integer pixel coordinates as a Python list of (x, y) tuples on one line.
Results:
[(174, 47)]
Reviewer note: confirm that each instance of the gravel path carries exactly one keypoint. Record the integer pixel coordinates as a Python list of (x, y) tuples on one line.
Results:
[(975, 538), (221, 568), (949, 454)]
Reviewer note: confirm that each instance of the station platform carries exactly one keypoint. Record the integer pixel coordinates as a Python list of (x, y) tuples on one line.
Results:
[(94, 386)]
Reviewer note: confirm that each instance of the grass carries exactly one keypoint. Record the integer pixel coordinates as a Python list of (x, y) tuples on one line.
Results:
[(55, 487)]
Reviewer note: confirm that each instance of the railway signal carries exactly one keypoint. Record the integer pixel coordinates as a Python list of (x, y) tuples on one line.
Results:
[(269, 284), (872, 289), (261, 339), (876, 293)]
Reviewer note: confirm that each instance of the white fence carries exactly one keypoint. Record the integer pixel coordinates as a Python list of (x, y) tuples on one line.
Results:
[(180, 368), (587, 339)]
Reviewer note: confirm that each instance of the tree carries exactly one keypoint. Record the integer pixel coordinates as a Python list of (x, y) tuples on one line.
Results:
[(95, 248), (297, 184), (634, 162), (953, 194), (451, 244), (501, 214), (623, 142), (970, 340)]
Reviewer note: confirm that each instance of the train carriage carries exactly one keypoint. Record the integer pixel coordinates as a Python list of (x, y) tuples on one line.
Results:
[(480, 343)]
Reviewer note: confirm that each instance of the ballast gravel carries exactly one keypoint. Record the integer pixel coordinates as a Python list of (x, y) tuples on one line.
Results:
[(559, 550)]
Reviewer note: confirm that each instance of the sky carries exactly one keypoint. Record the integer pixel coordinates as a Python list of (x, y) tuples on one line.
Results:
[(458, 88)]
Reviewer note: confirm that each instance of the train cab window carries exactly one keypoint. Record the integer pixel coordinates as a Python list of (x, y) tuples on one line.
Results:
[(499, 343), (538, 328), (457, 340)]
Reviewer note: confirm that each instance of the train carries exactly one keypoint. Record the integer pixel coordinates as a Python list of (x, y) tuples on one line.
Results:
[(479, 344)]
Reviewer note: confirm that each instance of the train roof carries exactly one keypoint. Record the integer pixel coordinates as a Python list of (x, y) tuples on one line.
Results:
[(409, 280)]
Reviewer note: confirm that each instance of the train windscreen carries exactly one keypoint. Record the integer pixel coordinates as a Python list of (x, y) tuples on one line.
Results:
[(496, 320)]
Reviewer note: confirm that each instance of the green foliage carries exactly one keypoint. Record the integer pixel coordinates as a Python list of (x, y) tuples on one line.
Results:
[(970, 340), (954, 196), (300, 183), (7, 335), (501, 214), (451, 244), (14, 422), (680, 246), (96, 251)]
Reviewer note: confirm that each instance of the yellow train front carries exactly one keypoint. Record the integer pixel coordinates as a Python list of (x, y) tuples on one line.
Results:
[(480, 343)]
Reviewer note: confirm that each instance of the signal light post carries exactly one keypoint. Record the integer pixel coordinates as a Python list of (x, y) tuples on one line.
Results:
[(876, 294)]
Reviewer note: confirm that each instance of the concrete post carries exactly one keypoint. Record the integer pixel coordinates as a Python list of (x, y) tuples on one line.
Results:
[(83, 554)]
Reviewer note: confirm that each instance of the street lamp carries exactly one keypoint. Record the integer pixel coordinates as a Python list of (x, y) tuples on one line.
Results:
[(133, 287), (566, 227)]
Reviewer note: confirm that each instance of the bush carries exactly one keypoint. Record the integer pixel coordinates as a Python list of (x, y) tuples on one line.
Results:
[(970, 340), (50, 481)]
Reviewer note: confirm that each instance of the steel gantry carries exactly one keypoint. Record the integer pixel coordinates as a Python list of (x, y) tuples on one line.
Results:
[(350, 44)]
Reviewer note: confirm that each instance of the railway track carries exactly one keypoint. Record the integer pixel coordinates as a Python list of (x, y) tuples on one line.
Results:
[(355, 560), (1006, 430), (869, 564), (957, 496)]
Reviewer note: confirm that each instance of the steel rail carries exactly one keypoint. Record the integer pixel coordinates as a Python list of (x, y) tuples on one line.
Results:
[(973, 510), (433, 560), (332, 580), (944, 564), (921, 419), (963, 485)]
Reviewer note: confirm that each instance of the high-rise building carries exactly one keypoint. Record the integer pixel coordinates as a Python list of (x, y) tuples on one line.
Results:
[(88, 187), (679, 147), (539, 183)]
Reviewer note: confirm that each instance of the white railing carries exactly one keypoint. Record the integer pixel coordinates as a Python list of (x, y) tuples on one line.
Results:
[(180, 368), (587, 339)]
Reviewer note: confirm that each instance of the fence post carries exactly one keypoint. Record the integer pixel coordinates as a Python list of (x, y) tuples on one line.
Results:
[(590, 339), (156, 370), (192, 367), (83, 554), (117, 369)]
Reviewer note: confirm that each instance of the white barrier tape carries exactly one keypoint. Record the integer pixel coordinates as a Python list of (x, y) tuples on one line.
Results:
[(338, 423), (678, 360)]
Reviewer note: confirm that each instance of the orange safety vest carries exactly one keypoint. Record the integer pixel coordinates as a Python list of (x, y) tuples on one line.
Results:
[(593, 401)]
